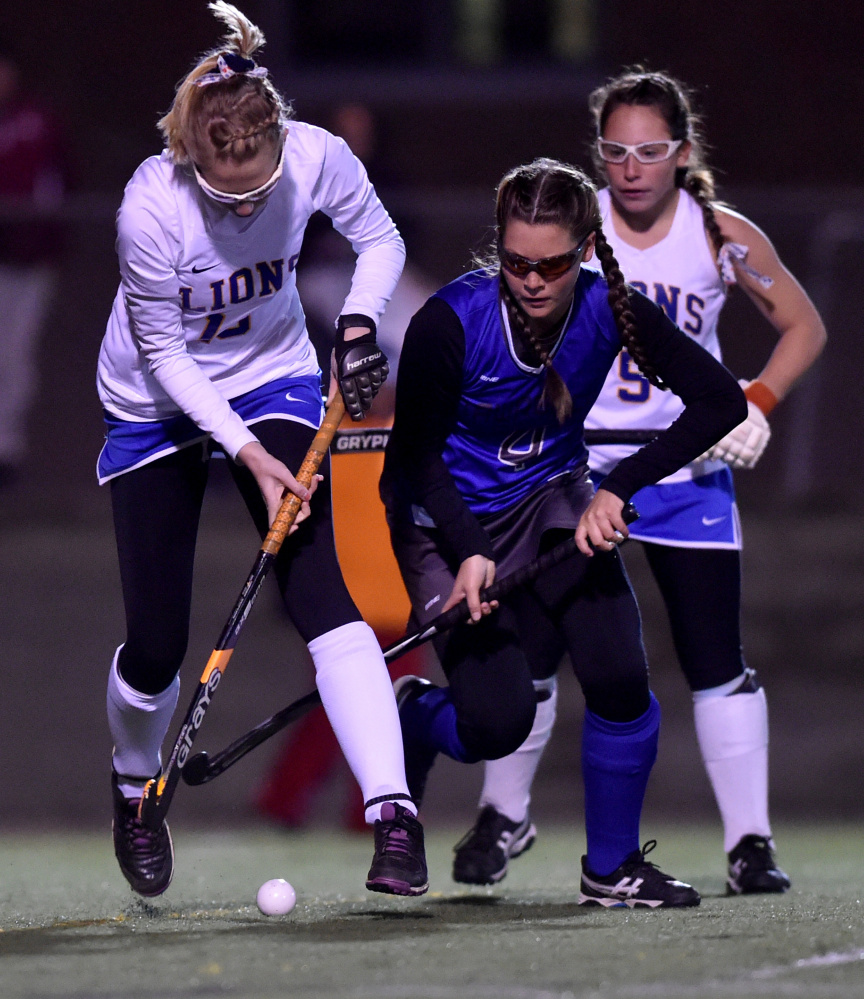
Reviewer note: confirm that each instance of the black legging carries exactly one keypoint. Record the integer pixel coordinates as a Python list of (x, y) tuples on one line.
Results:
[(701, 588), (156, 512), (582, 606), (586, 607)]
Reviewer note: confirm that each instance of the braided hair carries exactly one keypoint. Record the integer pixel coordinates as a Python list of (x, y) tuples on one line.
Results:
[(233, 117), (637, 86), (549, 192), (619, 302)]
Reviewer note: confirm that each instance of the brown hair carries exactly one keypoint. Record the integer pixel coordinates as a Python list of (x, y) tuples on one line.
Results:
[(548, 192), (637, 86), (231, 118)]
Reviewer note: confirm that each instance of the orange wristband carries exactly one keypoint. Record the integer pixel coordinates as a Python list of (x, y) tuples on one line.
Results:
[(760, 395)]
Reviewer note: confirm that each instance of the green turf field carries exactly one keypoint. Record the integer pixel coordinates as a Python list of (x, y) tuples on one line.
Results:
[(70, 928)]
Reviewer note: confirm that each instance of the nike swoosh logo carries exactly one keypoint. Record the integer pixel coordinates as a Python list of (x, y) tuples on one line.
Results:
[(292, 398), (200, 270), (710, 521)]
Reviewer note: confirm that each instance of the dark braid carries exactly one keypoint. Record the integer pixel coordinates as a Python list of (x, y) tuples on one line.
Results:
[(555, 390), (619, 302)]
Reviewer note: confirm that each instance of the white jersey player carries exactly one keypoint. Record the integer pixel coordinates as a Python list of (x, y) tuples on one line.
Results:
[(680, 274), (206, 348), (681, 250)]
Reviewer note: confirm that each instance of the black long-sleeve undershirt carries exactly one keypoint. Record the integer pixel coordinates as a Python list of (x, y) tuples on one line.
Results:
[(429, 389)]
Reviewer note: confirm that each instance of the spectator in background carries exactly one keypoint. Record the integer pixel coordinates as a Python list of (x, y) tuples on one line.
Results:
[(33, 181)]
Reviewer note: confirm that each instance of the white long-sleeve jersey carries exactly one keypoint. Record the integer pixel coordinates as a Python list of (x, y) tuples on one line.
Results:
[(207, 307), (678, 273)]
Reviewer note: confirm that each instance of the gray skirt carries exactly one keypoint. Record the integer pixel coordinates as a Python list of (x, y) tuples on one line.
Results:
[(429, 570)]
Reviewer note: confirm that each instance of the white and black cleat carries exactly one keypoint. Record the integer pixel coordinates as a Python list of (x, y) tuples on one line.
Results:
[(636, 883), (484, 852), (753, 869)]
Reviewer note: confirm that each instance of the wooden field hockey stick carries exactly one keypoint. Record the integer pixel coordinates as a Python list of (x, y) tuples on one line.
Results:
[(159, 791), (201, 768)]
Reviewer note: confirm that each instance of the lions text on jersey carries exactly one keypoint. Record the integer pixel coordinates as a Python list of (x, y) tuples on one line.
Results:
[(207, 309)]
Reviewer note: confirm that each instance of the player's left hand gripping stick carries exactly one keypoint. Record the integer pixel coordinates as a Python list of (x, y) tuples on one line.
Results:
[(159, 791)]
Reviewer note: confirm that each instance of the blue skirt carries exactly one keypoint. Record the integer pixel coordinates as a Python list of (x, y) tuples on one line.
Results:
[(130, 444), (698, 513)]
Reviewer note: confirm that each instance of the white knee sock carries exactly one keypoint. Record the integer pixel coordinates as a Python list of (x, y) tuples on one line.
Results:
[(732, 730), (507, 782), (358, 697), (138, 723)]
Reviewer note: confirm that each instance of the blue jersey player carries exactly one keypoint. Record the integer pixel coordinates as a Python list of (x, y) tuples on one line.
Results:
[(684, 250), (487, 468)]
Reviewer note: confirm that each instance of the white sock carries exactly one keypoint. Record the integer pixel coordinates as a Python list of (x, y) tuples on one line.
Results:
[(138, 723), (358, 697), (507, 782), (733, 736)]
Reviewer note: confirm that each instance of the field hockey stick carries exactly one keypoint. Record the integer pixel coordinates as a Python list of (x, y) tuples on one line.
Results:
[(201, 768), (597, 437), (159, 791)]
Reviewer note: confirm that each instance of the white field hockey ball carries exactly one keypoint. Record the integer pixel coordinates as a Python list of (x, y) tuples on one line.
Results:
[(276, 897)]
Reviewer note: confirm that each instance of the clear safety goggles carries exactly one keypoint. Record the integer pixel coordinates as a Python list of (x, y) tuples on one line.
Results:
[(645, 152), (247, 197)]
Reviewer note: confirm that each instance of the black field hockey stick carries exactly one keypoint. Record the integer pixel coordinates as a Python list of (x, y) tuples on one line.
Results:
[(159, 791), (201, 768), (594, 438)]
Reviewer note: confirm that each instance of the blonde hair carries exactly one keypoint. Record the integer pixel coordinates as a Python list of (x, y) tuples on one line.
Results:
[(232, 117)]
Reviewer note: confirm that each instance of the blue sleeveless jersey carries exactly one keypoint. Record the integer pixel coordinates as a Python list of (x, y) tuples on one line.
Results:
[(505, 446)]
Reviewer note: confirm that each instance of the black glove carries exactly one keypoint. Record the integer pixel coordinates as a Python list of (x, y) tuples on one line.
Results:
[(361, 366)]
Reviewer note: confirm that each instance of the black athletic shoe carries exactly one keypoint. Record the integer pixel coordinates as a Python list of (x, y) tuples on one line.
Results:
[(418, 758), (753, 870), (636, 882), (399, 864), (146, 858), (483, 853)]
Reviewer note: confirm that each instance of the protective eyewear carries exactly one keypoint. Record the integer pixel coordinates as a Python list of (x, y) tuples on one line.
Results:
[(549, 268), (645, 152), (247, 197)]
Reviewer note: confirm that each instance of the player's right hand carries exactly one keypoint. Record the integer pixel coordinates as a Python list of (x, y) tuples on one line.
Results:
[(476, 573), (274, 480)]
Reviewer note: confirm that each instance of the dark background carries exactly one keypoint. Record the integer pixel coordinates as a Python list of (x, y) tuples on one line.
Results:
[(781, 91)]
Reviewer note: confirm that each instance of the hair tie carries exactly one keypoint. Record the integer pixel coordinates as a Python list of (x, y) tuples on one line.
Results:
[(231, 64)]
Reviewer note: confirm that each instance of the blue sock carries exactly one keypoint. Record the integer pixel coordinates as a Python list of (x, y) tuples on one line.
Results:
[(617, 758), (430, 720)]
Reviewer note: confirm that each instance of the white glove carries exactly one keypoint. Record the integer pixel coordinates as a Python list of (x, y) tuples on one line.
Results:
[(743, 446)]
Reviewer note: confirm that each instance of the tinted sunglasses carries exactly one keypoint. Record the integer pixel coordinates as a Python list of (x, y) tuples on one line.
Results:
[(549, 268), (645, 152), (247, 197)]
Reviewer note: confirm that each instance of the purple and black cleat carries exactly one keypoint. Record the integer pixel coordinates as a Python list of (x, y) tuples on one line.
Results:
[(399, 864)]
